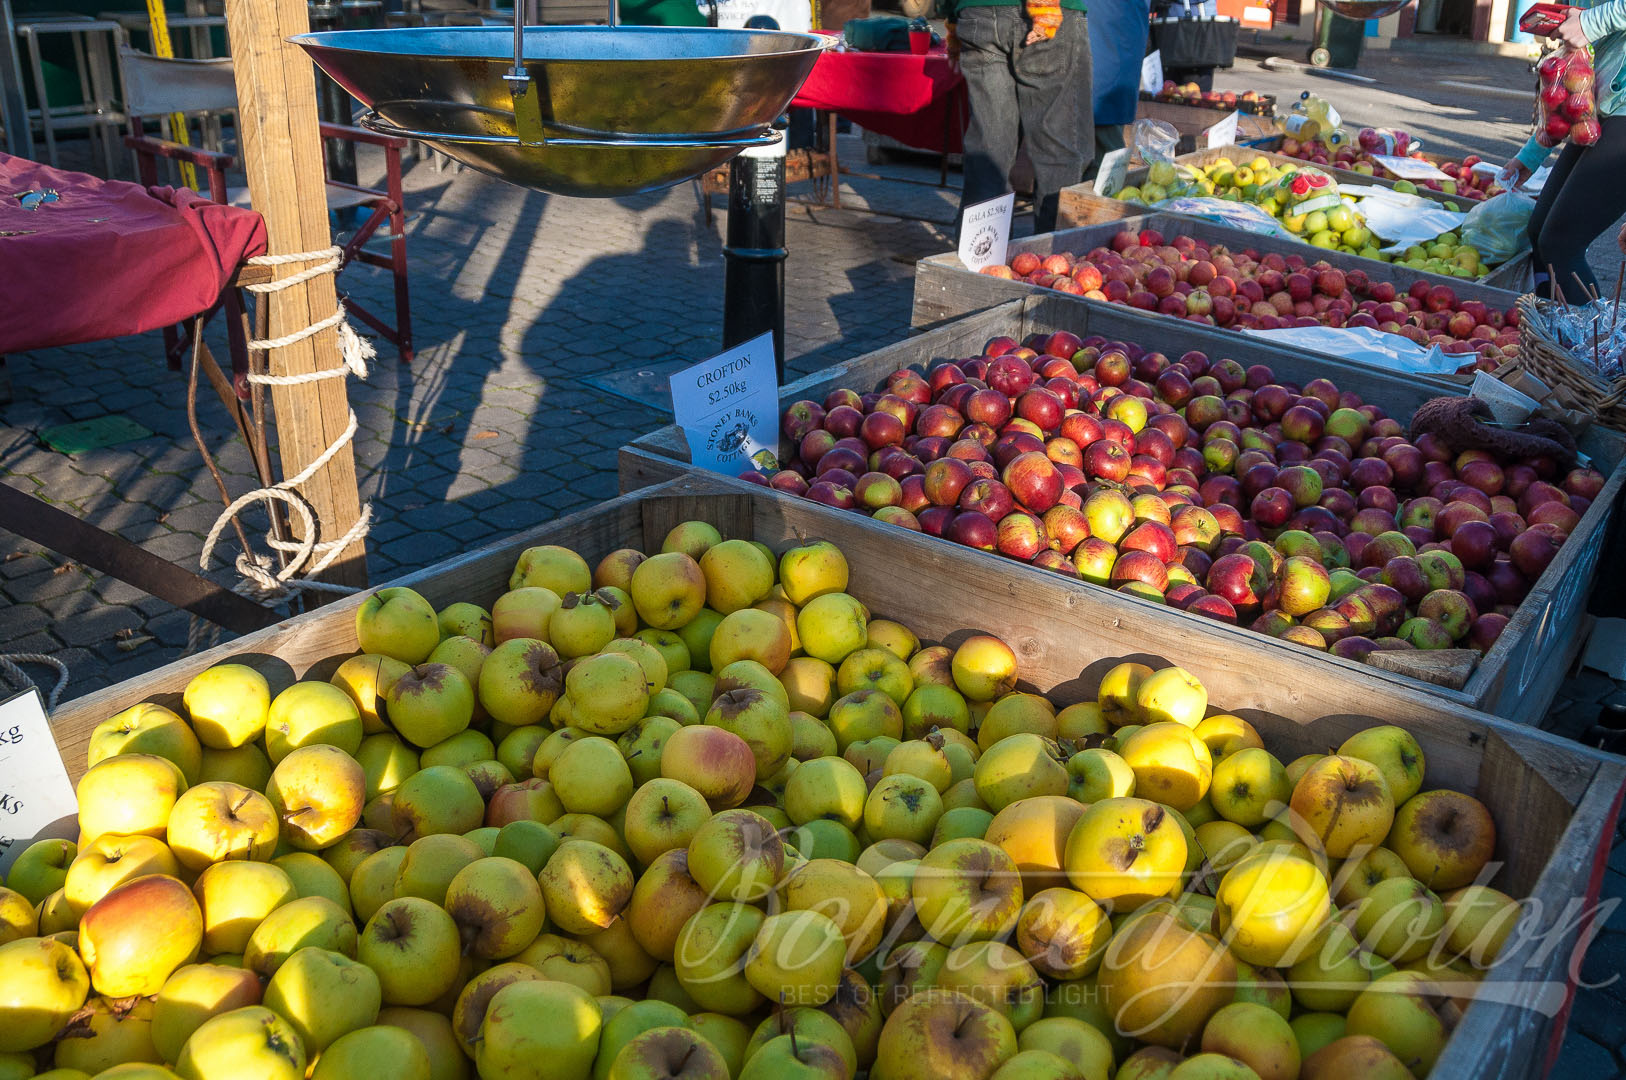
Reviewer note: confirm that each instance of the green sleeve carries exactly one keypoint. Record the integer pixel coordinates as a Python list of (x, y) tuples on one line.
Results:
[(1605, 19)]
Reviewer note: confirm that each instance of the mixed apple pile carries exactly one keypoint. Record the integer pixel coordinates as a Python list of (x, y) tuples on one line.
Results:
[(1213, 286), (1249, 101), (1360, 157), (699, 815), (1302, 512)]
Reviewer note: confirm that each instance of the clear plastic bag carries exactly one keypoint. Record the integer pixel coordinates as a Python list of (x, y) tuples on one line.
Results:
[(1566, 104), (1156, 142), (1498, 228)]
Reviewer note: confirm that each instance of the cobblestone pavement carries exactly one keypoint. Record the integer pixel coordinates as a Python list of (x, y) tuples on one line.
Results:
[(517, 299)]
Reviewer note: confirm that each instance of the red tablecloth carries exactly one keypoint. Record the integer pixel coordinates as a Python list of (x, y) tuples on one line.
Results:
[(109, 258), (910, 98)]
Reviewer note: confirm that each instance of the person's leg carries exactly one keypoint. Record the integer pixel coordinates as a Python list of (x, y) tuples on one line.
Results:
[(1590, 199), (1108, 137), (986, 41), (1538, 217), (1053, 120)]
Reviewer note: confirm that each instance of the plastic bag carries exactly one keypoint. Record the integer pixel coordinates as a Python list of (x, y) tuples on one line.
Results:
[(1566, 106), (1156, 142), (1499, 227)]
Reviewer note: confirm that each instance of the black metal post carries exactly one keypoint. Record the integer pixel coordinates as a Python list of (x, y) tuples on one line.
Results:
[(754, 252)]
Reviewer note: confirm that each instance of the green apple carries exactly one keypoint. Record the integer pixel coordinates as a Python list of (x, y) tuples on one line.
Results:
[(607, 692), (832, 626), (413, 947), (785, 1057), (246, 766), (379, 1052), (228, 705), (250, 1041), (967, 890), (630, 1022), (811, 1026), (354, 846), (498, 907), (366, 678), (565, 959), (463, 619), (668, 1053), (902, 807), (466, 655), (530, 843), (474, 998), (398, 623), (41, 869), (661, 815), (431, 863), (811, 570), (540, 1030), (827, 787), (585, 886), (311, 876), (796, 958), (726, 1033), (372, 883), (758, 718), (876, 669), (518, 748), (430, 703), (309, 922), (323, 994), (642, 745), (865, 714), (591, 777), (944, 1036), (669, 702), (710, 957), (736, 855), (520, 682), (438, 799), (434, 1031), (386, 761), (551, 567), (582, 626), (674, 651), (669, 590)]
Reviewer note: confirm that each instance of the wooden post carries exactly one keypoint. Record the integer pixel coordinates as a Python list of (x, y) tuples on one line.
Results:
[(282, 153)]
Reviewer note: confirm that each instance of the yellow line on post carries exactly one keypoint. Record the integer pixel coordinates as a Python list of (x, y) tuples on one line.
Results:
[(161, 47)]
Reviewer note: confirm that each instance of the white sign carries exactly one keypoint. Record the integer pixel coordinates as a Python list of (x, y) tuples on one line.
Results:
[(1410, 168), (1151, 72), (36, 799), (728, 408), (1222, 133), (1109, 178), (985, 232)]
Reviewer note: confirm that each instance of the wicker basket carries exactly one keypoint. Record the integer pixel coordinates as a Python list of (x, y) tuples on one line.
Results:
[(1572, 382)]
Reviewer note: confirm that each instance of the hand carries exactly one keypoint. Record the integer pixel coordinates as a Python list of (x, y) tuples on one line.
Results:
[(1034, 35), (1570, 33), (1513, 175)]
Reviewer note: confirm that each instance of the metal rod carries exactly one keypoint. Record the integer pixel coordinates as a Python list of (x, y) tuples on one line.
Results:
[(754, 254)]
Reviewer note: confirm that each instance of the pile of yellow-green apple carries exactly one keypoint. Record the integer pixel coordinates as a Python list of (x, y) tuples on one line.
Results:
[(701, 815)]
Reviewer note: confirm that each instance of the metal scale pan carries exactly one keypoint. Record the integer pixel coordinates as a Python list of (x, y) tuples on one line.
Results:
[(591, 111)]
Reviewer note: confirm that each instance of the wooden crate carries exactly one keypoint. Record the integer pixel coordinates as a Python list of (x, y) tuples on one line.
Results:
[(1553, 801), (1192, 120), (1080, 205), (945, 289), (1516, 680)]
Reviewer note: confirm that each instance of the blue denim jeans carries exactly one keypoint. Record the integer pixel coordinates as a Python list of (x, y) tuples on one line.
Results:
[(1034, 95)]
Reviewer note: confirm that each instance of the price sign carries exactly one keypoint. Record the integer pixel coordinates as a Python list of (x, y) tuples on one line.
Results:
[(36, 799), (1109, 179), (1222, 133), (985, 232), (1410, 168), (1151, 72), (728, 408)]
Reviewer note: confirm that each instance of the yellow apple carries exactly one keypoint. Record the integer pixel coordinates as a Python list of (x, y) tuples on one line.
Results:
[(1400, 919), (324, 995), (247, 766), (812, 569), (1097, 773), (218, 820), (944, 1036), (1171, 764), (850, 897), (1173, 695), (832, 626), (379, 1052), (562, 959), (192, 995), (148, 729), (235, 897), (983, 668), (430, 703), (497, 905), (108, 1034), (434, 1031), (311, 712), (135, 937), (751, 634), (1344, 803), (737, 575), (249, 1042), (1356, 876), (1478, 920), (662, 901), (1126, 852), (521, 681), (1225, 734), (668, 590), (110, 861), (1163, 982), (366, 679), (967, 890), (663, 814), (1119, 691), (412, 946), (1034, 832), (1445, 837), (474, 999), (318, 792), (228, 705), (796, 958), (128, 795), (1405, 1012), (1255, 1035), (1074, 1041), (465, 620), (528, 1024), (1063, 933), (1270, 906), (42, 985)]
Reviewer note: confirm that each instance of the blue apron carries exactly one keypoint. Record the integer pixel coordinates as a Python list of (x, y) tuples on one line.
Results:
[(1118, 30)]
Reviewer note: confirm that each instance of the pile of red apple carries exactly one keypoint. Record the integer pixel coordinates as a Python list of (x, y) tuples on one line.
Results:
[(1212, 285), (1361, 158), (1302, 512), (1249, 101)]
